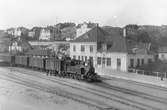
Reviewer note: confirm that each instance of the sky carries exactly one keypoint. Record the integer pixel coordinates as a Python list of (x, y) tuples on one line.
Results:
[(29, 13)]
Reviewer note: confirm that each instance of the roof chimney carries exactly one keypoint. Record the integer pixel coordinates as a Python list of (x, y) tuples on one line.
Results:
[(124, 32), (97, 24)]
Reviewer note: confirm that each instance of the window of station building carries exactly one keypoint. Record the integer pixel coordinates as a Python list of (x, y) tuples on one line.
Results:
[(149, 60), (74, 48), (91, 48), (162, 55), (91, 58), (138, 62), (78, 57), (82, 48), (99, 60), (74, 57), (118, 62), (82, 58), (108, 61), (142, 61), (131, 62)]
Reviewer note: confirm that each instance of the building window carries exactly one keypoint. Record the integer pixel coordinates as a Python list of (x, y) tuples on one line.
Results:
[(99, 60), (82, 48), (91, 58), (162, 55), (86, 58), (108, 61), (74, 48), (78, 57), (118, 62), (142, 61), (82, 58), (138, 62), (74, 57), (131, 62), (91, 48), (149, 60)]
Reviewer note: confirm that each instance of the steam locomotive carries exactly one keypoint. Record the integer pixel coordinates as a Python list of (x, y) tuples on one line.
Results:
[(65, 67)]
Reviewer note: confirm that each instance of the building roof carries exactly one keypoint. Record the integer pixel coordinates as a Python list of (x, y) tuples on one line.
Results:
[(39, 52), (116, 43), (163, 49), (94, 35), (113, 39)]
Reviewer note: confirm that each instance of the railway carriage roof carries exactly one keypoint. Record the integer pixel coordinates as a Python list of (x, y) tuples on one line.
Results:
[(39, 52)]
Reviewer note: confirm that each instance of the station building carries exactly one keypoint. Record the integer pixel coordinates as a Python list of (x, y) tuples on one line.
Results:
[(110, 51)]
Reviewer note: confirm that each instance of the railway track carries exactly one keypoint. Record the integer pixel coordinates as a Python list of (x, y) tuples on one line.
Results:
[(125, 101), (46, 88), (140, 84), (134, 93)]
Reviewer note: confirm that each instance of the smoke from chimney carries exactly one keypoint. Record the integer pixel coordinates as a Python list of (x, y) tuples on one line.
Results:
[(124, 32)]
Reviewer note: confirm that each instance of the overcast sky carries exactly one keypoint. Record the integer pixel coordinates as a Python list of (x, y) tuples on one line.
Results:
[(31, 13)]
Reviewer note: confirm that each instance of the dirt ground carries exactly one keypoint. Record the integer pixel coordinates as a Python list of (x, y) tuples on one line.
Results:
[(18, 97)]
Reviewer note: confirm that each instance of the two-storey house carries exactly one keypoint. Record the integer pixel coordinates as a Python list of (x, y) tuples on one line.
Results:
[(45, 34), (109, 51)]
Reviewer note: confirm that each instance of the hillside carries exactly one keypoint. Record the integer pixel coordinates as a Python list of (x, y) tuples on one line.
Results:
[(157, 35), (68, 32)]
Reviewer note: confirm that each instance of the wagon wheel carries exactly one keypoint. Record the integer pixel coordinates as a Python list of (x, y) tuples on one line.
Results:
[(79, 77), (56, 73), (73, 76)]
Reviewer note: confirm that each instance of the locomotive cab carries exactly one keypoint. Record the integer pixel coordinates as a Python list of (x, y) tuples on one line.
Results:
[(82, 70)]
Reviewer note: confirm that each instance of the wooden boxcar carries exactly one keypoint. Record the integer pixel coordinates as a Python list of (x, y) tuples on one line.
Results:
[(8, 59), (17, 60), (37, 62), (22, 60), (54, 65)]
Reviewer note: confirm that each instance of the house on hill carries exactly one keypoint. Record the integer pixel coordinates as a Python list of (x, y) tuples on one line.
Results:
[(45, 34), (83, 28), (109, 51), (17, 32), (50, 33), (162, 53)]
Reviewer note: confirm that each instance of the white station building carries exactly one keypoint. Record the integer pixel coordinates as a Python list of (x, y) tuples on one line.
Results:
[(110, 51)]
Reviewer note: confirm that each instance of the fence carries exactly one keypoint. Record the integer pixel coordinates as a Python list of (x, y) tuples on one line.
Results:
[(151, 73)]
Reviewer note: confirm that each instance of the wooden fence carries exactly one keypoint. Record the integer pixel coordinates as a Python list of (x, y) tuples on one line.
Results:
[(150, 73)]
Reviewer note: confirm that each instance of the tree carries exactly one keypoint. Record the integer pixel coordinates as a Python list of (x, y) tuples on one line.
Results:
[(143, 36)]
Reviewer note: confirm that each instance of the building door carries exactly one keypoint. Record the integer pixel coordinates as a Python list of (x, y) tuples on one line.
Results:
[(131, 63), (103, 62), (91, 60), (138, 62), (118, 64)]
